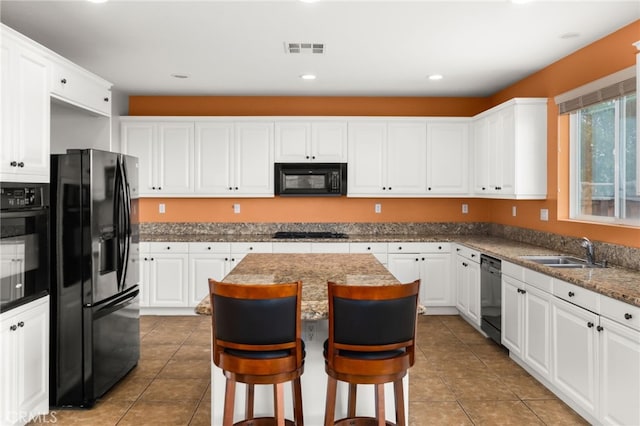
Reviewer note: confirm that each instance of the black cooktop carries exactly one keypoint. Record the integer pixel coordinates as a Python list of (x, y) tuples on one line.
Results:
[(300, 235)]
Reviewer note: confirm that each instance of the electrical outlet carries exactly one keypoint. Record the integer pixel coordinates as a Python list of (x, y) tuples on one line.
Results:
[(236, 208), (310, 330), (161, 208), (378, 208), (513, 211), (465, 208), (544, 214)]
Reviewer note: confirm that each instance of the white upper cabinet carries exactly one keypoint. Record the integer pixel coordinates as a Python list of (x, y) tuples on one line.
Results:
[(387, 158), (253, 160), (316, 141), (448, 158), (213, 151), (510, 150), (25, 109), (80, 87), (165, 153)]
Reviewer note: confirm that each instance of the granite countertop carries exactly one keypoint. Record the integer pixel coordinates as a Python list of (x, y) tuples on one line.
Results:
[(314, 270), (616, 282)]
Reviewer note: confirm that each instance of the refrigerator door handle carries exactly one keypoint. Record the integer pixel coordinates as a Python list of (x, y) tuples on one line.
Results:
[(127, 218), (122, 221), (115, 305)]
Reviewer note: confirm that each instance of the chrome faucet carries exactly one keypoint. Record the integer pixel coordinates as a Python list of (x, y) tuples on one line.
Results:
[(588, 246)]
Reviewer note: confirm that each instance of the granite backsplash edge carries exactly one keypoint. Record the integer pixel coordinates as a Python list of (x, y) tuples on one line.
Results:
[(624, 256)]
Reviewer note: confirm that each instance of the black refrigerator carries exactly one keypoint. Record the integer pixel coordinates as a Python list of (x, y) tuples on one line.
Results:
[(95, 313)]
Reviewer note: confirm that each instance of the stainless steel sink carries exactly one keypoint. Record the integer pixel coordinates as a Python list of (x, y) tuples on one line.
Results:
[(561, 261)]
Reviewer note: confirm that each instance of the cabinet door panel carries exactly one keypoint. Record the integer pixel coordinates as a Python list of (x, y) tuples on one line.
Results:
[(511, 321), (213, 153), (447, 158), (473, 278), (537, 331), (366, 170), (175, 158), (619, 363), (480, 152), (168, 280), (293, 142), (201, 269), (574, 353), (329, 142), (138, 140), (254, 159), (436, 288), (407, 158), (405, 267), (33, 341)]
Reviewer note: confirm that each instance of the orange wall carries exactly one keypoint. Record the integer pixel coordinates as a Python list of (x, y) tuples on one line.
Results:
[(606, 56), (313, 209)]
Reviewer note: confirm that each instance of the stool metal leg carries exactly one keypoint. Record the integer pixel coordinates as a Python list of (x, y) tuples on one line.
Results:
[(399, 392), (229, 399), (380, 415)]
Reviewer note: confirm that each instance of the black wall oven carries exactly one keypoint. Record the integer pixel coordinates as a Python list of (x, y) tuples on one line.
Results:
[(24, 243)]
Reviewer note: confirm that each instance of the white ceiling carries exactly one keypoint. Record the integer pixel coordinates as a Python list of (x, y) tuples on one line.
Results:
[(372, 48)]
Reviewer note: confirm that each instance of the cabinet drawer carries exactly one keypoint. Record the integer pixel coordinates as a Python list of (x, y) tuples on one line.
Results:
[(513, 271), (468, 253), (168, 247), (582, 297), (81, 88), (209, 247), (538, 280), (292, 247), (621, 312), (330, 248), (419, 247), (251, 247), (368, 248)]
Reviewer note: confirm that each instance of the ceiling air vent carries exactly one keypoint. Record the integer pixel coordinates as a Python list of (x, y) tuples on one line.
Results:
[(316, 48)]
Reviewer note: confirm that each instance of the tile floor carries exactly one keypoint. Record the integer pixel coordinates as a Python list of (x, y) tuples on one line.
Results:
[(459, 378)]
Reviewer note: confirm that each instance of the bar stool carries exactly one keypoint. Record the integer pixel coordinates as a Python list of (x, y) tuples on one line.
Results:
[(371, 341), (256, 335)]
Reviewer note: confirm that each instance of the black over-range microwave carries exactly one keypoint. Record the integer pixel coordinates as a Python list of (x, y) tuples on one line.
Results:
[(311, 179)]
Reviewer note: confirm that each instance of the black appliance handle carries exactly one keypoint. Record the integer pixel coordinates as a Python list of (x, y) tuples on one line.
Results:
[(8, 214), (121, 220), (116, 305), (125, 212)]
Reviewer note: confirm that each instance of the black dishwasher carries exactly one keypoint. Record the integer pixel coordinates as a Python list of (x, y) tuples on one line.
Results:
[(491, 296)]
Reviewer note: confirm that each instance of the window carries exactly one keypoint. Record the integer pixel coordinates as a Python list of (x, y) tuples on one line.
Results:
[(605, 157)]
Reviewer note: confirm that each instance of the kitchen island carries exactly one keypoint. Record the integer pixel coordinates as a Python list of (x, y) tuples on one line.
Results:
[(314, 270)]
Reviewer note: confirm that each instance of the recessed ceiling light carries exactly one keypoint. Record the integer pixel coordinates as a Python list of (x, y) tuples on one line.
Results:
[(97, 1), (308, 76), (435, 77), (521, 1), (309, 1), (567, 36), (181, 76)]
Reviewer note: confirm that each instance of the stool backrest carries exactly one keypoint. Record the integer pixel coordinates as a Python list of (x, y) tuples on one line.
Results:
[(372, 318), (256, 317)]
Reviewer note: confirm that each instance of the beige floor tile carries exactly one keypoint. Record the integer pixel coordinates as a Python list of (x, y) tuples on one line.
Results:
[(555, 412), (193, 352), (128, 389), (202, 417), (102, 413), (480, 388), (147, 368), (494, 413), (186, 369), (162, 352), (199, 337), (437, 414), (150, 413), (160, 336), (429, 388), (470, 337), (175, 390), (526, 387)]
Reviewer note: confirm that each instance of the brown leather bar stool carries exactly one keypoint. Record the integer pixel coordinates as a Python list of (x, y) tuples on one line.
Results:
[(256, 340), (371, 341)]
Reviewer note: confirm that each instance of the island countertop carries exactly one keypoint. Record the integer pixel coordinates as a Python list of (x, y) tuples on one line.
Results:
[(314, 270)]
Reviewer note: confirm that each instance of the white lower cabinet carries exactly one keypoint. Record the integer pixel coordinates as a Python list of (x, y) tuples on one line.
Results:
[(24, 363), (206, 260), (165, 275), (429, 262), (379, 250), (467, 276), (575, 354)]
